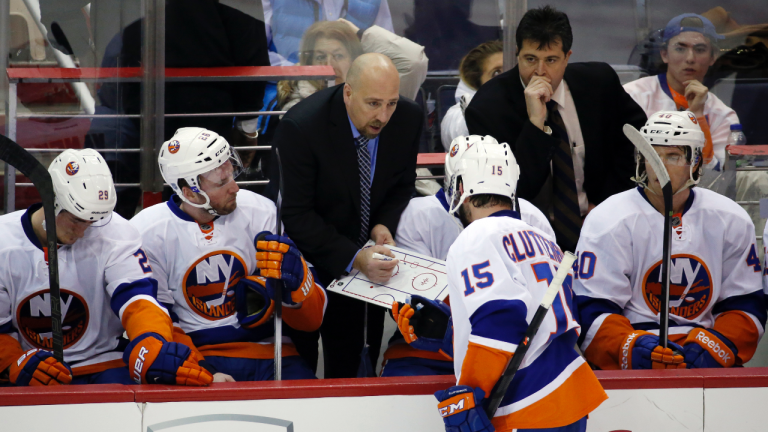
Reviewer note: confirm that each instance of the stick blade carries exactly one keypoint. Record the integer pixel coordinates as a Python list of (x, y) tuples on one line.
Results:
[(645, 148)]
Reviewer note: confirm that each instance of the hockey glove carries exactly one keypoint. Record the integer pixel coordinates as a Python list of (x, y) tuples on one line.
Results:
[(38, 368), (708, 349), (279, 258), (253, 302), (462, 409), (152, 360), (425, 324), (641, 350)]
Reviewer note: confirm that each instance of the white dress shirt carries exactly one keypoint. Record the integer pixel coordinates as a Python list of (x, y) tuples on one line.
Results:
[(567, 110)]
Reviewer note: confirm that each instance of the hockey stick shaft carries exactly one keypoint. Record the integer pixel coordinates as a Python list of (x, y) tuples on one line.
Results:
[(653, 159), (279, 284), (500, 389), (24, 162)]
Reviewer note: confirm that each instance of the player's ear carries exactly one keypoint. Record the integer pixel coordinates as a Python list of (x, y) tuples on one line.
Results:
[(188, 194)]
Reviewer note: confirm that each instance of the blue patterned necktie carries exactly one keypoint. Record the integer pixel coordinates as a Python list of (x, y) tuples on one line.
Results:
[(565, 200), (364, 164)]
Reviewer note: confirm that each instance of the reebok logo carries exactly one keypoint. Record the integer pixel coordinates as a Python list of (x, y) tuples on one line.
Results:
[(139, 365), (625, 351), (723, 353)]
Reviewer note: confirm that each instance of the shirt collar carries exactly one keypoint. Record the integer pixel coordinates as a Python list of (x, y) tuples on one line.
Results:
[(508, 213), (355, 132), (688, 202), (26, 223), (440, 195), (174, 204)]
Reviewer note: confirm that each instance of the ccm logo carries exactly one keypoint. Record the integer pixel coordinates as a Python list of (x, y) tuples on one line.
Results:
[(139, 365), (452, 408), (656, 131)]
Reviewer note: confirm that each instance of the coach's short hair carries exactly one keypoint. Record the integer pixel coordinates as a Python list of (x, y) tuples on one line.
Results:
[(545, 25)]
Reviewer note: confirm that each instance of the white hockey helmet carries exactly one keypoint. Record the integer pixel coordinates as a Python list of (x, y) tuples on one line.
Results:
[(675, 129), (83, 185), (193, 152), (484, 167)]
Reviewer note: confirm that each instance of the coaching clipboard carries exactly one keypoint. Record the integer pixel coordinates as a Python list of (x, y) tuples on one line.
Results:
[(415, 274)]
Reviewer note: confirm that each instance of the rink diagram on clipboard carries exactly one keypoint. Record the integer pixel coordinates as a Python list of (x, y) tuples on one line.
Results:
[(414, 274)]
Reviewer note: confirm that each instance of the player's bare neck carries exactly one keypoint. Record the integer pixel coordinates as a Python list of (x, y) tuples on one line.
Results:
[(37, 226), (675, 84), (198, 214), (482, 212)]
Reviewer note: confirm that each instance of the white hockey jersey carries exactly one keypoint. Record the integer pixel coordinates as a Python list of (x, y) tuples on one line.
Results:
[(100, 276), (653, 96), (715, 272), (426, 226), (498, 270), (197, 266)]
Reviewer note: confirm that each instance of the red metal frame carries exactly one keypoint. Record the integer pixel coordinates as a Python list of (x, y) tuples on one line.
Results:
[(244, 73), (301, 389), (748, 150)]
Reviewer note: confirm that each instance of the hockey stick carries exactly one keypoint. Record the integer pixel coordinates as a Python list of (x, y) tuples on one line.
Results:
[(645, 148), (279, 284), (16, 156), (500, 389)]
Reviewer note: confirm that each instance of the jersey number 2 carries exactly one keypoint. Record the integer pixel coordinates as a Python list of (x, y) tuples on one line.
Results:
[(543, 273), (143, 261)]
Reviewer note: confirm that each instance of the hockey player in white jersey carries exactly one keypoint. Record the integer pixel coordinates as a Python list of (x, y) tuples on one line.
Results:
[(427, 227), (498, 270), (106, 289), (202, 245), (717, 313)]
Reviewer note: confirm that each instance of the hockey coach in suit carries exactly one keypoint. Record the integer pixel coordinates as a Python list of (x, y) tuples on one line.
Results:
[(349, 167), (561, 119)]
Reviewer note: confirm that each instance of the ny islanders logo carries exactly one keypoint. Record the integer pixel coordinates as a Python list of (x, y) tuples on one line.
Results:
[(690, 286), (454, 150), (209, 284), (72, 168), (174, 146), (34, 318)]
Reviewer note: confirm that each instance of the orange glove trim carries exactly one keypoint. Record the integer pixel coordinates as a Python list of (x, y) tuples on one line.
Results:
[(10, 351), (665, 358), (403, 318), (180, 337), (483, 366), (49, 372), (192, 374), (625, 349), (716, 348), (445, 406), (143, 316), (740, 329), (143, 355), (602, 351), (309, 315)]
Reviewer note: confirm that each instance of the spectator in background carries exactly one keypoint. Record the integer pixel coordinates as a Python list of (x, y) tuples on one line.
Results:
[(561, 120), (198, 33), (349, 162), (689, 49), (287, 20), (482, 63), (339, 43)]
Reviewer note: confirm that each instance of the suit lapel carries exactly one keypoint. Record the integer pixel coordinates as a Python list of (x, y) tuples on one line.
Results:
[(342, 145), (518, 97)]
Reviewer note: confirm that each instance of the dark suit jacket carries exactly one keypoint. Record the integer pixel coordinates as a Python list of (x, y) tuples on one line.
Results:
[(603, 107), (321, 202)]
